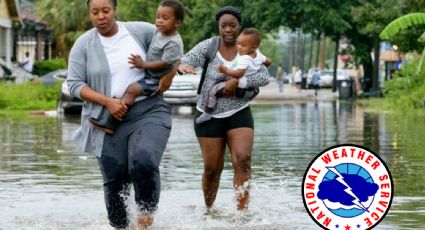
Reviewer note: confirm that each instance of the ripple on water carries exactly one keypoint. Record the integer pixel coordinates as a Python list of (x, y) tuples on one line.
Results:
[(46, 183)]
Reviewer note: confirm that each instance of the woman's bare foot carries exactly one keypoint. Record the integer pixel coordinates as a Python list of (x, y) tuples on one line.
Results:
[(242, 196), (242, 201), (144, 221)]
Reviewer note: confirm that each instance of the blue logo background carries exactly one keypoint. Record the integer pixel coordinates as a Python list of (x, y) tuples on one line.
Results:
[(349, 187)]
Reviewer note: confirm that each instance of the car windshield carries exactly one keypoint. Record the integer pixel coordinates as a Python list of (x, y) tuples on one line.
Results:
[(325, 72), (330, 72), (60, 75)]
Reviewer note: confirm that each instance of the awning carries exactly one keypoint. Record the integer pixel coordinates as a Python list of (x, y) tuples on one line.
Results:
[(13, 7), (390, 55)]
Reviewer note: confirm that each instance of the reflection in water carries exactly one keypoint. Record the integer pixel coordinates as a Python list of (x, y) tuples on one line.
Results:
[(45, 183)]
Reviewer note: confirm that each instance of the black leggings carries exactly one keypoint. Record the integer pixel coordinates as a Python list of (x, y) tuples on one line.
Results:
[(132, 155)]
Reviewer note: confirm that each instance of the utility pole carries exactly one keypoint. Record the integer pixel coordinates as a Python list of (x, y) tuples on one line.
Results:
[(376, 53), (318, 50), (310, 58), (335, 64), (323, 53)]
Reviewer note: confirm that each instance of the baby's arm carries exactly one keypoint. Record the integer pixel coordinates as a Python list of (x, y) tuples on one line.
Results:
[(236, 73), (139, 63)]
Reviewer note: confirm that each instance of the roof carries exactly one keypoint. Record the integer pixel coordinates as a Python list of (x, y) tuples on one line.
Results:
[(13, 7), (30, 19)]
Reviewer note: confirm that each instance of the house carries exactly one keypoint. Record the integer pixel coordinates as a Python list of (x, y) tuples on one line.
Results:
[(9, 14), (34, 37)]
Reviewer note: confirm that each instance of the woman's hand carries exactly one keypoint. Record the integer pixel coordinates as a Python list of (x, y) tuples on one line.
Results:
[(117, 108), (221, 69), (183, 68), (230, 87)]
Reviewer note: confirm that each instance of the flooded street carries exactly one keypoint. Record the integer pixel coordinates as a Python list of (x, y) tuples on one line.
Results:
[(46, 183)]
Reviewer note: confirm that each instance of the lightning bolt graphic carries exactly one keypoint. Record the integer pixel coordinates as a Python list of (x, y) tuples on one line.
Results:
[(348, 190)]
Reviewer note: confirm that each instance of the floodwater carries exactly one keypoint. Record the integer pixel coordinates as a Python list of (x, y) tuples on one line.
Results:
[(45, 183)]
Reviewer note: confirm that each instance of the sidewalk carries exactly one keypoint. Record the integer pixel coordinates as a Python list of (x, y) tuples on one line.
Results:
[(270, 94)]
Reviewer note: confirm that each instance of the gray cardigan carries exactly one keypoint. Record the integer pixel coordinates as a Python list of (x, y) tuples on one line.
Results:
[(88, 66)]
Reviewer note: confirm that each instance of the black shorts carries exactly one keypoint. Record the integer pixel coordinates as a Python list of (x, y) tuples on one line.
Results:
[(218, 127)]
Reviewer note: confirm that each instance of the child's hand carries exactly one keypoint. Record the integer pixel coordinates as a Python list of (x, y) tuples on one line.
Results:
[(221, 69), (136, 61)]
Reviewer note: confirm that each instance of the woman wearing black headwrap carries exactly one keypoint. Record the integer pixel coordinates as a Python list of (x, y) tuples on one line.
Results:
[(232, 124)]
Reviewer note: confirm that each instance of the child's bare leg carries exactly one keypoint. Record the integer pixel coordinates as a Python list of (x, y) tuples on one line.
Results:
[(134, 90)]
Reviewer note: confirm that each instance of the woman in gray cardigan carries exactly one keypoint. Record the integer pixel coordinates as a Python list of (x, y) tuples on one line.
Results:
[(99, 73)]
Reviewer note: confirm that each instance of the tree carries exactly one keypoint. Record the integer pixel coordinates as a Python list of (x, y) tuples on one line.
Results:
[(271, 48), (402, 23), (69, 19), (406, 40), (331, 18), (370, 17)]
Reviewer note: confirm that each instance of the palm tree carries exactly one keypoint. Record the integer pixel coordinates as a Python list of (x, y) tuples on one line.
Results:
[(404, 22), (68, 19)]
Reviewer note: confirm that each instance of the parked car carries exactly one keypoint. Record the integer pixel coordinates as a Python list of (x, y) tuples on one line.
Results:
[(287, 79), (68, 104), (51, 78), (2, 73), (326, 77), (183, 90), (6, 74)]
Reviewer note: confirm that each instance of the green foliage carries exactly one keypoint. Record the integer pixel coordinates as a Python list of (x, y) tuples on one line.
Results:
[(405, 92), (407, 40), (28, 96), (358, 20), (69, 19), (407, 89), (271, 48), (314, 16), (137, 10), (422, 37), (200, 22), (402, 23), (43, 67), (373, 16)]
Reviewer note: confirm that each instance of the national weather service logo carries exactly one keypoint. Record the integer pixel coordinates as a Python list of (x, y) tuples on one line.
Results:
[(347, 187)]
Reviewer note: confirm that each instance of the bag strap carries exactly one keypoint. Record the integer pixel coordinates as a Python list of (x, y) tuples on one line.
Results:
[(211, 52)]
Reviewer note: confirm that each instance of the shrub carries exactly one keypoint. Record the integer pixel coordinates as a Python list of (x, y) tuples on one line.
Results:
[(28, 96), (407, 89), (43, 67)]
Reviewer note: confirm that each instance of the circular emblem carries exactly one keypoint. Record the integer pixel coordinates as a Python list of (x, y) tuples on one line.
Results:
[(347, 187)]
